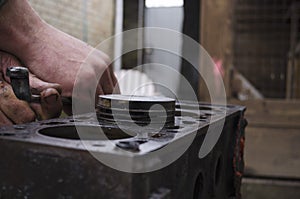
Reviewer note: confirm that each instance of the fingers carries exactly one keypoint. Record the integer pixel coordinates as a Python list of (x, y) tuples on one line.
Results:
[(102, 66), (99, 92), (110, 83), (12, 110), (15, 110), (116, 85), (50, 105), (7, 60), (116, 89), (38, 85), (4, 120), (106, 82)]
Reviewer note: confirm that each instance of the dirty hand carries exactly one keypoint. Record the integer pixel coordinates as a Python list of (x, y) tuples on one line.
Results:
[(52, 55), (15, 111), (58, 57)]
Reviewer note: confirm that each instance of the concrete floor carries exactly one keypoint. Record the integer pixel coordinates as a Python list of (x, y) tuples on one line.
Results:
[(272, 153), (270, 189)]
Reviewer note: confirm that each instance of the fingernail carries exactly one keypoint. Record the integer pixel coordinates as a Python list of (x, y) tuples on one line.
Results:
[(51, 99)]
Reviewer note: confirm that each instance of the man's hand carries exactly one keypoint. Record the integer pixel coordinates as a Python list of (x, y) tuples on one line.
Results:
[(15, 111), (52, 55), (58, 57)]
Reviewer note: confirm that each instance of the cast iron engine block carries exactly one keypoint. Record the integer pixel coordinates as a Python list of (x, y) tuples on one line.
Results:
[(48, 159)]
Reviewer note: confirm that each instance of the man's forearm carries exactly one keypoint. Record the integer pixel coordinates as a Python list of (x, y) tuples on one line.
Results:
[(19, 24)]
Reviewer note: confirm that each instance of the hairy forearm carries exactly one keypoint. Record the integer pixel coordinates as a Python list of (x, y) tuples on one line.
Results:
[(19, 24)]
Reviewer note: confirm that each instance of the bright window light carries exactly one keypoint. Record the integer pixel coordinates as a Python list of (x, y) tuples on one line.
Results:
[(163, 3)]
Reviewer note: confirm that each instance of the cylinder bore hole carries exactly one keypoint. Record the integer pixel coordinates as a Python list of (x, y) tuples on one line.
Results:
[(199, 187), (86, 132)]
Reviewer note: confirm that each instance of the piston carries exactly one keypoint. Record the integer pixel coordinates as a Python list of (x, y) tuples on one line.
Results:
[(142, 110)]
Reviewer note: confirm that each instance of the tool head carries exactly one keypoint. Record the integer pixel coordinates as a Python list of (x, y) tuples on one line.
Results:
[(19, 77)]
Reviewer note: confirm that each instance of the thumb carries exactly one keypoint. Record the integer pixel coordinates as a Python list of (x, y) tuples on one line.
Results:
[(50, 105), (37, 85)]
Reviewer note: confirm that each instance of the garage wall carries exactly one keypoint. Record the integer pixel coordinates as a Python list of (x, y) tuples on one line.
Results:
[(89, 20)]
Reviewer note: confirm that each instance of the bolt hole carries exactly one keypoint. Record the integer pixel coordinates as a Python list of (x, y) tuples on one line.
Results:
[(173, 127), (172, 131)]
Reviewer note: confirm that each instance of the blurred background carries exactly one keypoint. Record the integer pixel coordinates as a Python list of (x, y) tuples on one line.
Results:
[(255, 44)]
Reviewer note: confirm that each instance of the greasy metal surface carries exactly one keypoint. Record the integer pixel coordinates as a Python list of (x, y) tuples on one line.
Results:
[(141, 110), (37, 162), (136, 102), (19, 77)]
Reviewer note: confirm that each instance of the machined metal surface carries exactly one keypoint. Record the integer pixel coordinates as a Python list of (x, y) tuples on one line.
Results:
[(19, 77), (141, 110), (49, 159)]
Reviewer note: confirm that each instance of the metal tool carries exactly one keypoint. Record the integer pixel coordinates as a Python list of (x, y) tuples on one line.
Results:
[(19, 77)]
